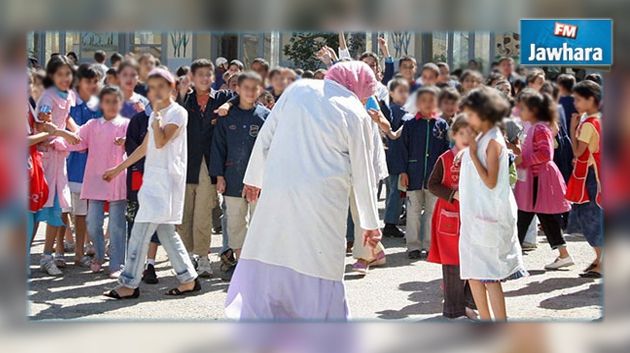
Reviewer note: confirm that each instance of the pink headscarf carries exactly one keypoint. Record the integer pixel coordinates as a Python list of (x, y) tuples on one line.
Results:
[(356, 76)]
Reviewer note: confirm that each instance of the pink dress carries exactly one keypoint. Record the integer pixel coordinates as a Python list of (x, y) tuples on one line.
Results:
[(98, 136), (537, 155), (54, 161)]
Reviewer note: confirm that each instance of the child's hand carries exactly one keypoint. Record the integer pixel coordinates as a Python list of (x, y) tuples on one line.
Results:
[(48, 127), (68, 136), (575, 121), (456, 196), (45, 117), (138, 107), (221, 184), (371, 238), (110, 174), (382, 44), (223, 110), (251, 193), (323, 55), (472, 145), (157, 120), (378, 117), (404, 180), (120, 141)]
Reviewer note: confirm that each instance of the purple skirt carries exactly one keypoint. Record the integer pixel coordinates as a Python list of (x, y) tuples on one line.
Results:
[(261, 291)]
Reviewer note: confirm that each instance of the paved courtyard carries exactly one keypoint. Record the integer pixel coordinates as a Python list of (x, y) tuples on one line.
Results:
[(401, 290)]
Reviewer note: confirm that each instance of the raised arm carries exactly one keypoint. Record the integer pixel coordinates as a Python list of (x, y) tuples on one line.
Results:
[(343, 47)]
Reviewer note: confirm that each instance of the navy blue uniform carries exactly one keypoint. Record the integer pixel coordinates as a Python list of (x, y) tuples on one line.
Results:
[(394, 154), (423, 141), (200, 130), (232, 144)]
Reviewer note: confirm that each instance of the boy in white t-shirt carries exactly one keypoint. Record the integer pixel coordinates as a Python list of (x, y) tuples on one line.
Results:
[(161, 196)]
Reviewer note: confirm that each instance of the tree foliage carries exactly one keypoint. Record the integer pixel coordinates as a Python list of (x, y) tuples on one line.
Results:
[(303, 46)]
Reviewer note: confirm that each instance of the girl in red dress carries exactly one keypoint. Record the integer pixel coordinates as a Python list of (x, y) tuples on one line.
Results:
[(443, 183)]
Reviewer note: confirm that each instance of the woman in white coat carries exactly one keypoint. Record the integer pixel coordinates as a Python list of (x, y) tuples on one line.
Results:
[(315, 147)]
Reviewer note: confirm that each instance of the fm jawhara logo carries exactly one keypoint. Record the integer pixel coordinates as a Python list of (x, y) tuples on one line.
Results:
[(566, 42)]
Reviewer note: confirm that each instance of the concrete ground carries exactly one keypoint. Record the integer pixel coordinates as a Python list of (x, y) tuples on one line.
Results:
[(400, 290)]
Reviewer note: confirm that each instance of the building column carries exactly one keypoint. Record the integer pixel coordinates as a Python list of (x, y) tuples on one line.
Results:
[(274, 49), (471, 45)]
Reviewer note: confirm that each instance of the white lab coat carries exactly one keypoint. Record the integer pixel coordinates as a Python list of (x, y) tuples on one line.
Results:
[(161, 196), (488, 242), (315, 146)]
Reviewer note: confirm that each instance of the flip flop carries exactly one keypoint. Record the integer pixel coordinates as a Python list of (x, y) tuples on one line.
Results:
[(591, 274), (590, 267), (177, 292), (114, 294)]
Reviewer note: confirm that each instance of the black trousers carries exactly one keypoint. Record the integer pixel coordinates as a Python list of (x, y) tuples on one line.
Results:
[(457, 294), (552, 224)]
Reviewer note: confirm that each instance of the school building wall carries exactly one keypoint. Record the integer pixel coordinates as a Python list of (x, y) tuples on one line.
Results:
[(180, 47)]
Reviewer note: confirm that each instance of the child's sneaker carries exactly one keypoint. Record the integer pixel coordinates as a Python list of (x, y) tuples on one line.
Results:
[(204, 269), (560, 263), (529, 246), (95, 266), (47, 264), (149, 276), (68, 246), (85, 261), (89, 250), (115, 274), (60, 261)]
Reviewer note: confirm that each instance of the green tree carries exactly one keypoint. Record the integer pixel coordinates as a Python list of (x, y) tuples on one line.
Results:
[(303, 46)]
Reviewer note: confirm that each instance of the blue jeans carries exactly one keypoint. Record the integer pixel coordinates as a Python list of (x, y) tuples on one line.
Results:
[(139, 247), (117, 231), (589, 215), (393, 203)]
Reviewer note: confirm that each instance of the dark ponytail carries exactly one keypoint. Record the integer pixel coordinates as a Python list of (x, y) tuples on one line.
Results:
[(542, 105), (54, 64)]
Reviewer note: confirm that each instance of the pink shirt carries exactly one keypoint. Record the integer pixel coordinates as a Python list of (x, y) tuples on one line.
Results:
[(537, 155), (54, 161), (98, 136)]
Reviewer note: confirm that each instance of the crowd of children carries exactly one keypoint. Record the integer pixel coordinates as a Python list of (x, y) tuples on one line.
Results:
[(471, 166)]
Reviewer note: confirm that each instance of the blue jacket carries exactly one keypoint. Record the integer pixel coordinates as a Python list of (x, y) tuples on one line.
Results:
[(232, 144), (81, 114), (394, 152), (569, 109), (200, 130), (563, 154), (423, 141)]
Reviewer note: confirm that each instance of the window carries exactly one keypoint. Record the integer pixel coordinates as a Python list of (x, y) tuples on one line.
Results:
[(440, 46), (460, 49), (148, 42), (249, 48)]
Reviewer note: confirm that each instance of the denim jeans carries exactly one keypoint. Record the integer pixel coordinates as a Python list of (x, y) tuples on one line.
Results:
[(117, 231), (420, 205), (139, 247), (393, 203)]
